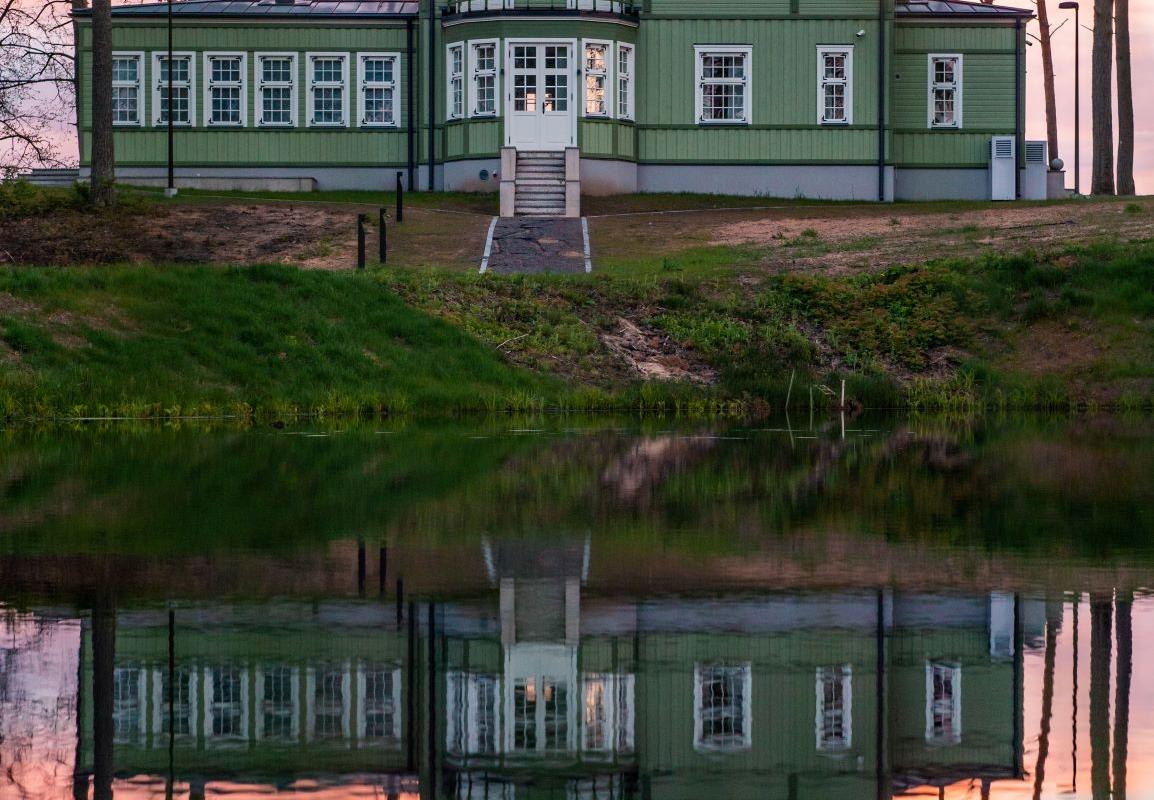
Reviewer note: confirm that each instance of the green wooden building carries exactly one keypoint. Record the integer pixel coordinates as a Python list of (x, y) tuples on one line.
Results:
[(549, 99)]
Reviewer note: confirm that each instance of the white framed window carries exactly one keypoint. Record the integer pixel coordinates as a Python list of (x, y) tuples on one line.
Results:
[(226, 705), (598, 69), (276, 98), (607, 714), (328, 99), (455, 75), (484, 79), (722, 707), (474, 713), (723, 84), (833, 721), (379, 705), (224, 89), (183, 89), (377, 90), (624, 81), (128, 704), (184, 702), (328, 694), (945, 90), (277, 703), (835, 85), (943, 702), (127, 75)]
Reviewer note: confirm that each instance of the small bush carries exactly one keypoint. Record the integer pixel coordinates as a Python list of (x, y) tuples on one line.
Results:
[(21, 199)]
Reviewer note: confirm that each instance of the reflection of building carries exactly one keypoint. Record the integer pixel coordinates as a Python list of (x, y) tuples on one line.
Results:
[(539, 693)]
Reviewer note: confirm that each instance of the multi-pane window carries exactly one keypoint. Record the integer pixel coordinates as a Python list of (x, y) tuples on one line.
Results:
[(227, 702), (127, 724), (328, 76), (126, 75), (556, 696), (597, 79), (524, 78), (484, 83), (525, 714), (175, 703), (834, 716), (277, 703), (834, 85), (943, 702), (473, 722), (722, 707), (945, 99), (329, 703), (556, 97), (224, 92), (455, 71), (379, 720), (624, 81), (378, 89), (181, 79), (276, 78), (723, 84)]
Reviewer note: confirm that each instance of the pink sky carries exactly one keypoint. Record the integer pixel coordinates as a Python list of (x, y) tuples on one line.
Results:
[(1142, 46)]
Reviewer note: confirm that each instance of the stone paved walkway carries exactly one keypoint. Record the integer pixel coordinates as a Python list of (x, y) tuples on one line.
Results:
[(536, 246)]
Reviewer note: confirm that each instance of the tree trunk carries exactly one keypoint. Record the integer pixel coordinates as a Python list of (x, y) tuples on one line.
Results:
[(103, 158), (1125, 98), (1048, 79), (1101, 98)]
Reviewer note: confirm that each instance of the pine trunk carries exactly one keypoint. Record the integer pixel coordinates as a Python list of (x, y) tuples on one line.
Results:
[(103, 157), (1125, 97), (1048, 79), (1101, 99)]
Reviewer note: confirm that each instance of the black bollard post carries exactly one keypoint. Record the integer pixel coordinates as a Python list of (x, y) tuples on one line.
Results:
[(360, 241), (400, 200), (381, 242)]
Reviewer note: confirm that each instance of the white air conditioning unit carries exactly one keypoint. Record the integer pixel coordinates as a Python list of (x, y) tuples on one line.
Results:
[(1003, 164), (1034, 173)]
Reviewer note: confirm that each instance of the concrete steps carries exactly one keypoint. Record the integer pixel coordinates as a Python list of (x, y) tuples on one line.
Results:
[(540, 184)]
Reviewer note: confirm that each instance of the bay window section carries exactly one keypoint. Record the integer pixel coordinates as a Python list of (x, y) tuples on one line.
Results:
[(224, 89), (624, 81), (377, 98), (455, 73), (328, 75), (127, 69), (182, 89), (723, 84), (276, 78), (597, 62), (945, 83), (835, 85), (483, 82)]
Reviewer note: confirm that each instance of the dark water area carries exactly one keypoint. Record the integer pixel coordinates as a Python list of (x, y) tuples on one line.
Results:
[(572, 607)]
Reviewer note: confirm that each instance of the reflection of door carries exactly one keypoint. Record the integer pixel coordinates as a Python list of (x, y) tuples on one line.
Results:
[(541, 113)]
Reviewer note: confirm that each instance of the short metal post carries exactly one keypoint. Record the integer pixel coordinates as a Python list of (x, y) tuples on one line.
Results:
[(360, 241), (400, 200), (382, 242)]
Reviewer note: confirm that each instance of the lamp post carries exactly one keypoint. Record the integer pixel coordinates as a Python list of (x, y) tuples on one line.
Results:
[(170, 189), (1077, 96)]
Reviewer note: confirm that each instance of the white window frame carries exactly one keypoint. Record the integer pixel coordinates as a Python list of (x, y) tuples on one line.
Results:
[(293, 87), (608, 74), (744, 672), (954, 735), (158, 83), (957, 86), (392, 737), (843, 674), (702, 50), (262, 707), (212, 708), (209, 86), (625, 94), (822, 51), (311, 84), (475, 73), (452, 78), (138, 85), (363, 84)]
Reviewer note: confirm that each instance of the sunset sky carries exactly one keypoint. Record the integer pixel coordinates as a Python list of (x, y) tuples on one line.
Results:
[(1142, 39)]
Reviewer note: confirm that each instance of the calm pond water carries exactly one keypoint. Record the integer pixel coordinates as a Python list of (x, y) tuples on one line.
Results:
[(579, 608)]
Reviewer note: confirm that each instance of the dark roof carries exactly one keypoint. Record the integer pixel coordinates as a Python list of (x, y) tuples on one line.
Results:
[(956, 8), (359, 9)]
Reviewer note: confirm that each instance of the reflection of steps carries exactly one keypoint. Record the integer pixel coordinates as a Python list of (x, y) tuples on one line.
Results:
[(43, 176), (540, 184)]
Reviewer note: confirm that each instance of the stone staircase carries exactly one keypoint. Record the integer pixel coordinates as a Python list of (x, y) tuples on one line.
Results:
[(540, 184), (50, 177)]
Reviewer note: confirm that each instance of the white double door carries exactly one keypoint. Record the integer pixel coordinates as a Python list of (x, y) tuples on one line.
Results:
[(541, 95)]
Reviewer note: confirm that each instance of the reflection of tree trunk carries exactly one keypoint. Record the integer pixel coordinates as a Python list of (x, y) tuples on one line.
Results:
[(1100, 619), (1122, 696), (103, 666), (1047, 702)]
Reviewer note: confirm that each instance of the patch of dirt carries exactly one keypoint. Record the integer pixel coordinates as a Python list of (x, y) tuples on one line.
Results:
[(654, 356)]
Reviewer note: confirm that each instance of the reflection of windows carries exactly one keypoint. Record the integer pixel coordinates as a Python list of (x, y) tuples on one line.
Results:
[(278, 703), (943, 702), (127, 725), (723, 84), (525, 714), (483, 786), (834, 720), (126, 76), (473, 718), (722, 707), (183, 701), (597, 60), (945, 100), (227, 703), (483, 63), (379, 712), (607, 713), (556, 696), (330, 693)]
